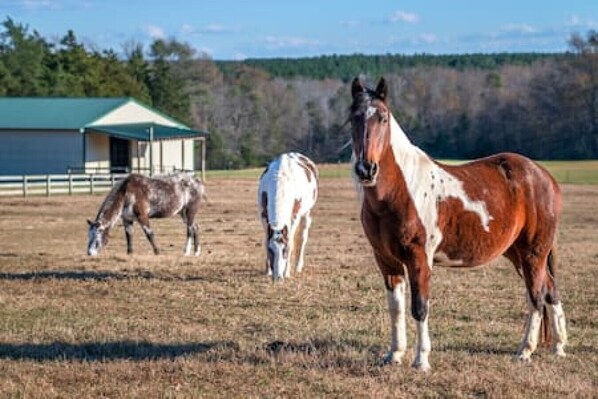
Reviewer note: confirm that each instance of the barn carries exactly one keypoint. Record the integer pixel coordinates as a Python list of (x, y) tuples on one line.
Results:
[(93, 135)]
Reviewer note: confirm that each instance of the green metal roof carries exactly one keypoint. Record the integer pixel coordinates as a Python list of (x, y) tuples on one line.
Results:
[(141, 131), (54, 113)]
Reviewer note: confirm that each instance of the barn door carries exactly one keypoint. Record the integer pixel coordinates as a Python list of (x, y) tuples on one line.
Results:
[(120, 155)]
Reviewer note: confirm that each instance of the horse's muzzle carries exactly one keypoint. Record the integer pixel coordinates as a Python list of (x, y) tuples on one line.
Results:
[(366, 172)]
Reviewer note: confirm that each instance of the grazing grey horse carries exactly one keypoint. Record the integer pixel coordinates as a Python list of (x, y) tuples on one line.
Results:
[(139, 198)]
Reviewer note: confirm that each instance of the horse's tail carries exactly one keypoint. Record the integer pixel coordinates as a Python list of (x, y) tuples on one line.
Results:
[(546, 328)]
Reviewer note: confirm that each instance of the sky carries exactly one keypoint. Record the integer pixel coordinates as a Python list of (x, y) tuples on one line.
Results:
[(239, 29)]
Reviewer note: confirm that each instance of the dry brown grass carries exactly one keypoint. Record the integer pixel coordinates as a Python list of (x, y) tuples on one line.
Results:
[(171, 326)]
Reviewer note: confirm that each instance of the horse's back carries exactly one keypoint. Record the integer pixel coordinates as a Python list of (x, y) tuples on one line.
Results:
[(289, 182)]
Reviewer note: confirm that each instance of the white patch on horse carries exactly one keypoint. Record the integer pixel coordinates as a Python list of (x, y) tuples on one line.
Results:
[(287, 182), (428, 184)]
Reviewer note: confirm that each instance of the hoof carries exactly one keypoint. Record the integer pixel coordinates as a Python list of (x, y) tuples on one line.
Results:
[(422, 367), (393, 358), (559, 352), (523, 358)]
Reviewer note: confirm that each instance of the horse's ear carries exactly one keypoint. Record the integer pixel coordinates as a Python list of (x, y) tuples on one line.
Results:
[(382, 89), (356, 87), (89, 222), (285, 232)]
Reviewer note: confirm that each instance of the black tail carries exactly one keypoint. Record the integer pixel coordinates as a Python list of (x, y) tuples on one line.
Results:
[(546, 328)]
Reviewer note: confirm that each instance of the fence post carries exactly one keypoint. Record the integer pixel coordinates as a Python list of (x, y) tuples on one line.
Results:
[(91, 183), (24, 185), (112, 179), (48, 185), (70, 183)]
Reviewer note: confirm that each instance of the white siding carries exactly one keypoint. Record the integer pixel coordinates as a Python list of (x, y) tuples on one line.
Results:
[(172, 155), (40, 152), (132, 112), (97, 152)]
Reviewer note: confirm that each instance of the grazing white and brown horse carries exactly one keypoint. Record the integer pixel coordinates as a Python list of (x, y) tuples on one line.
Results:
[(288, 190), (139, 198), (418, 213)]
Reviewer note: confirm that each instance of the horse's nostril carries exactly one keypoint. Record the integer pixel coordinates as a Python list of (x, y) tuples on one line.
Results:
[(373, 169)]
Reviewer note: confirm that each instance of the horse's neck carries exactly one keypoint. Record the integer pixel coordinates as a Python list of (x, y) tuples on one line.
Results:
[(281, 194), (404, 163), (408, 157), (111, 209)]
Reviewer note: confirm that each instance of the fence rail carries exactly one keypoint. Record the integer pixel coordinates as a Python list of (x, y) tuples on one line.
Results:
[(88, 183)]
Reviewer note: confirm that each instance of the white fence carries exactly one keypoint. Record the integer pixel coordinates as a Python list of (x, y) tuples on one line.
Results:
[(58, 184)]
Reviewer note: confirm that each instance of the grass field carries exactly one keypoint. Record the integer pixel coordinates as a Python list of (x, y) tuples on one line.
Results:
[(566, 172), (215, 326)]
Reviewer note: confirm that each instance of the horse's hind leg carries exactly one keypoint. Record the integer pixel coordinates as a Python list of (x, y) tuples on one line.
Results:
[(554, 308), (149, 233), (129, 235), (533, 267)]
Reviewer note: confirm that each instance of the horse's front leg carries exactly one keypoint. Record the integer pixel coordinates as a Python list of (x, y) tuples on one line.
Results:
[(395, 294), (304, 232), (192, 238), (129, 235), (149, 233), (419, 279), (292, 249)]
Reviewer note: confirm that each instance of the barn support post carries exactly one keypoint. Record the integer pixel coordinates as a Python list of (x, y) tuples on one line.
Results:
[(203, 160), (70, 183), (182, 154), (24, 185), (161, 157), (138, 158), (91, 188), (48, 184), (151, 150)]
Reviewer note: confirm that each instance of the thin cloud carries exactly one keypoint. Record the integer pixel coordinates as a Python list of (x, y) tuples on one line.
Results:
[(214, 28), (427, 38), (279, 42), (518, 28), (155, 32), (403, 16), (39, 4), (577, 22)]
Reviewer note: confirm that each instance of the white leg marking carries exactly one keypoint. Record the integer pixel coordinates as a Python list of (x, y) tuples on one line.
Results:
[(198, 252), (304, 233), (424, 346), (290, 252), (188, 246), (530, 337), (559, 330), (398, 331)]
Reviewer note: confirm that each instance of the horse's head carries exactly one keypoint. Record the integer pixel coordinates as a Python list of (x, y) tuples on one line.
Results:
[(369, 129), (97, 238), (278, 252)]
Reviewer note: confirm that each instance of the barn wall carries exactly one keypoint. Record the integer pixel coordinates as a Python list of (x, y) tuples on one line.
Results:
[(39, 152)]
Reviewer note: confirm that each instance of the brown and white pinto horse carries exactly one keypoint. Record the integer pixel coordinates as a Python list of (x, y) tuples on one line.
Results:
[(418, 213), (139, 198), (287, 193)]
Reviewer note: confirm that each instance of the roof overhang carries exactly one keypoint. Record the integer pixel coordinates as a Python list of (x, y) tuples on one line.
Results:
[(146, 131)]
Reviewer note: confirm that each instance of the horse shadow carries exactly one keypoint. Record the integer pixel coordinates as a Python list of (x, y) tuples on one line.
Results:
[(95, 275), (108, 351)]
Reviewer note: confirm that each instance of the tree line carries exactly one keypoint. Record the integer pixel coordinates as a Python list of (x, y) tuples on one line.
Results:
[(453, 106)]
